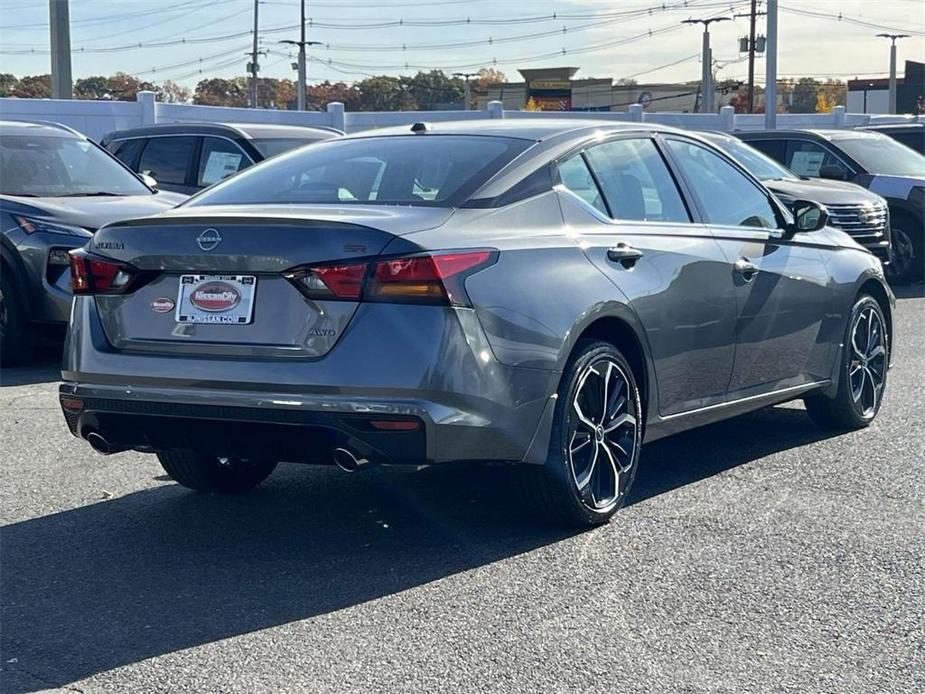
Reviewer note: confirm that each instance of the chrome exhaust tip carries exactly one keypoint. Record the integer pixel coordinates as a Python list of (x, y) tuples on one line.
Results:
[(347, 460), (99, 443)]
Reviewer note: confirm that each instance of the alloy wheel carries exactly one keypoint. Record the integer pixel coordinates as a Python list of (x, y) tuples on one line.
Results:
[(867, 367), (602, 435)]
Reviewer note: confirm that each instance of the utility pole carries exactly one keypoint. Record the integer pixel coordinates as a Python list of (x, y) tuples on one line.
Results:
[(893, 38), (254, 66), (303, 69), (706, 79), (466, 76), (753, 48), (770, 80), (60, 23)]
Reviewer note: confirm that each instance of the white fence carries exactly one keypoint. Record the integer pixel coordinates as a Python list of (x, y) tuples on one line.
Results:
[(96, 118)]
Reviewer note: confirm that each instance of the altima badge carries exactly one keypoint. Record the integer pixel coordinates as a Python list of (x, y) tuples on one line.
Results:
[(209, 239)]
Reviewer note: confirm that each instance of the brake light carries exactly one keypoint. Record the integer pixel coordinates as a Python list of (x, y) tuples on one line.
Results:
[(426, 279), (429, 279), (94, 275)]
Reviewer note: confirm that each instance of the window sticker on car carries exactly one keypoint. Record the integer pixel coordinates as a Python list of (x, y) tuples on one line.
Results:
[(807, 163), (219, 165)]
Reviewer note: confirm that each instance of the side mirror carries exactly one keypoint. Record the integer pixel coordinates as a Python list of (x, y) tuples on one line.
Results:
[(834, 172), (808, 216), (148, 179)]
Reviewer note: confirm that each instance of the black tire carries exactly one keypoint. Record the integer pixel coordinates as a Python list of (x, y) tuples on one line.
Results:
[(206, 473), (554, 489), (15, 333), (846, 412), (908, 262)]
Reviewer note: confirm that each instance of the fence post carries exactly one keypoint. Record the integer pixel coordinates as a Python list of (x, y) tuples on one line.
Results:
[(636, 113), (495, 109), (338, 117), (148, 101), (838, 113), (727, 119)]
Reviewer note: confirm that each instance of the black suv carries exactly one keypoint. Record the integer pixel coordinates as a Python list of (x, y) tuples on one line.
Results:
[(910, 134), (187, 157), (875, 161)]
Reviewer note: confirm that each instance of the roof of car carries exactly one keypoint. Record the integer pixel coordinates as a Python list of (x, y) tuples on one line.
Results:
[(37, 129), (895, 127), (825, 134), (522, 128), (248, 131)]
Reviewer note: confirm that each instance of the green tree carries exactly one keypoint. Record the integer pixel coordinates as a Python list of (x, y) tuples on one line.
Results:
[(95, 87), (384, 93), (804, 95), (8, 84), (217, 91), (430, 89), (33, 87)]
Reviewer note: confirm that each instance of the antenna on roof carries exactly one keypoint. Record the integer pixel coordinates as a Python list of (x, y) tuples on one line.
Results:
[(420, 128)]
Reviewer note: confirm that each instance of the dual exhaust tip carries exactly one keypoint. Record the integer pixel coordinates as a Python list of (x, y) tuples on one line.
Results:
[(345, 459)]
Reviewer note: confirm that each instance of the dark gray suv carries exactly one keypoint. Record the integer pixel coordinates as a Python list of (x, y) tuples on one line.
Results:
[(548, 294)]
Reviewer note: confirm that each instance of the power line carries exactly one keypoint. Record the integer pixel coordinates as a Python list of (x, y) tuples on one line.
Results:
[(846, 19)]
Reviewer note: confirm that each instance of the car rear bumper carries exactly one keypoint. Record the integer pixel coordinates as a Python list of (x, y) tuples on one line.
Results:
[(442, 376)]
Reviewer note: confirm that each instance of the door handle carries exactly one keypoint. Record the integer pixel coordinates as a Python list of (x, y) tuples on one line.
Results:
[(624, 254), (746, 268)]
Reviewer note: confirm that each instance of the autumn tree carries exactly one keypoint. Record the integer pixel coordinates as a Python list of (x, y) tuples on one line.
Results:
[(33, 87), (322, 94), (173, 93), (125, 87), (384, 93), (489, 76), (8, 84)]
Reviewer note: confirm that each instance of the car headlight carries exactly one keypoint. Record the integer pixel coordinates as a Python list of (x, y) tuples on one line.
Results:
[(30, 225)]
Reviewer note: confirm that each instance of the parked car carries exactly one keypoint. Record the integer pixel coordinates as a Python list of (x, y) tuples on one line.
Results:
[(874, 161), (187, 157), (56, 188), (546, 293), (909, 134), (856, 211)]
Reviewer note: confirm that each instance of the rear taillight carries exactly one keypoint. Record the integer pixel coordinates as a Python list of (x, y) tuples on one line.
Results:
[(91, 274), (424, 279)]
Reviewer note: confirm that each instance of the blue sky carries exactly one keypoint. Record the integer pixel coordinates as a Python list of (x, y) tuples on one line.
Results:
[(605, 38)]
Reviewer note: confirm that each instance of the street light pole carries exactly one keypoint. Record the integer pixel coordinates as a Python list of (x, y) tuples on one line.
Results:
[(893, 38), (770, 64), (707, 101), (59, 21), (302, 64), (254, 65)]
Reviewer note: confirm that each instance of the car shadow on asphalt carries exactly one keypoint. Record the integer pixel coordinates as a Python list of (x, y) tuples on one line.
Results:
[(156, 571), (44, 368)]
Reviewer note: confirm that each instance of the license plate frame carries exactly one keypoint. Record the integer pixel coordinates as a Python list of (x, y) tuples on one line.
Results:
[(229, 301)]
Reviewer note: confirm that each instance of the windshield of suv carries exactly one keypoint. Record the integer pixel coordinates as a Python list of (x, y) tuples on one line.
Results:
[(426, 170), (759, 164), (61, 166), (883, 155)]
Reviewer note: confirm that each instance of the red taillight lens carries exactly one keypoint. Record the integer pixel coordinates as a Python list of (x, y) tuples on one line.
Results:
[(93, 275), (426, 279)]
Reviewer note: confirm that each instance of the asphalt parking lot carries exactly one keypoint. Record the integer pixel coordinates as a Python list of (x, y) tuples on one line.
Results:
[(759, 554)]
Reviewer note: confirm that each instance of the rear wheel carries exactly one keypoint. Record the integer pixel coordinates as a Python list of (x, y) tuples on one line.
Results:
[(595, 440), (206, 473), (862, 381), (15, 335)]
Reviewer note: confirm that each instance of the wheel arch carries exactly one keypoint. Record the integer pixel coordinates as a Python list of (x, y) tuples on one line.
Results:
[(882, 296), (11, 263)]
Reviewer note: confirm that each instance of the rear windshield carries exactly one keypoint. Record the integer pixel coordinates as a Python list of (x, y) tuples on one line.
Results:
[(883, 155), (426, 170)]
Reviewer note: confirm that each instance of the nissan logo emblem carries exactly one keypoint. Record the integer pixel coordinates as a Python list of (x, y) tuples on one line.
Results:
[(209, 239)]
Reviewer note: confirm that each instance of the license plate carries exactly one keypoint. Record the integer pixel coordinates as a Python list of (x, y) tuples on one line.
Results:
[(223, 299)]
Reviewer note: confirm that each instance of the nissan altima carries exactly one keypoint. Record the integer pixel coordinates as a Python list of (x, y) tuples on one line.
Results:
[(545, 293)]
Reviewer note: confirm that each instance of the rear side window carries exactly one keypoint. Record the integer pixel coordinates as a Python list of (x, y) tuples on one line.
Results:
[(219, 159), (168, 158), (426, 170), (776, 149), (636, 181), (127, 151), (807, 158), (726, 195), (576, 176)]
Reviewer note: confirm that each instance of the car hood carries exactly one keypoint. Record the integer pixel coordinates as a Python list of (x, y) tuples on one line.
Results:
[(93, 212), (394, 219), (823, 191)]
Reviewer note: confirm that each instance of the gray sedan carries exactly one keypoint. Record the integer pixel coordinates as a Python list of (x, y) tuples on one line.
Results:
[(550, 294)]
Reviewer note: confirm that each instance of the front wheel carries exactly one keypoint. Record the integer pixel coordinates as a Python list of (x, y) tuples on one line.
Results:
[(862, 381), (906, 264), (206, 473), (595, 440)]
